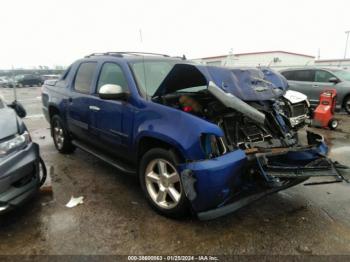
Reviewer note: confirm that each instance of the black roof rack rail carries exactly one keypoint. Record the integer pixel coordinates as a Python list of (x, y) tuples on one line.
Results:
[(94, 54), (135, 53), (183, 57), (120, 54)]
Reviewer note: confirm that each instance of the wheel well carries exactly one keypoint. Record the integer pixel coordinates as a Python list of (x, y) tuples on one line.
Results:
[(344, 100), (53, 111), (148, 143)]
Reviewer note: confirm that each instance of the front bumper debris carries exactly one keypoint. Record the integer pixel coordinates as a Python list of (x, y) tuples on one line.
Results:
[(303, 164), (216, 187), (243, 200), (208, 183)]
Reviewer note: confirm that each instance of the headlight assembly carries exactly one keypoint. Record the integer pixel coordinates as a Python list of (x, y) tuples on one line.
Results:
[(212, 145), (11, 145), (307, 103)]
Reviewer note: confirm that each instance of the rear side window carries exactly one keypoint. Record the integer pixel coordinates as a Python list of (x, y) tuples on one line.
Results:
[(288, 74), (84, 77), (300, 75), (323, 76), (304, 75), (112, 74)]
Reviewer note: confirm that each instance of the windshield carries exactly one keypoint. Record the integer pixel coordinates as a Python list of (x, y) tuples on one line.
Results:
[(342, 74), (150, 74)]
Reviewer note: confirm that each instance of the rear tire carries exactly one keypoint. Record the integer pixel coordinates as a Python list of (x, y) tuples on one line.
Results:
[(161, 183), (346, 104), (60, 135)]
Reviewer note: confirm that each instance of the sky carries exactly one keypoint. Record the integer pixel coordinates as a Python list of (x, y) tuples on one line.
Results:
[(57, 32)]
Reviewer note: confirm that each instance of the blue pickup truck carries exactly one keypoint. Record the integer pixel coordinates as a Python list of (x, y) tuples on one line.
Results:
[(200, 138)]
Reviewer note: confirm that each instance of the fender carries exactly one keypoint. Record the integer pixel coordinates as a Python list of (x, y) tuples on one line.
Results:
[(163, 122)]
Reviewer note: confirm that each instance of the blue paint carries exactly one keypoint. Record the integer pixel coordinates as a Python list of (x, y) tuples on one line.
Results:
[(217, 179), (120, 126)]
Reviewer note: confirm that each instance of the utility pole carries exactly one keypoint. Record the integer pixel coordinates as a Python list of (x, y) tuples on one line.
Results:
[(141, 40), (14, 84), (346, 43)]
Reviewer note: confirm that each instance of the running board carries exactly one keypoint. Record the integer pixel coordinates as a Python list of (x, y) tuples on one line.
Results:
[(117, 164)]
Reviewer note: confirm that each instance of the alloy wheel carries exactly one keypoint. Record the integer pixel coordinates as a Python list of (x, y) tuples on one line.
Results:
[(347, 105), (58, 134), (163, 183)]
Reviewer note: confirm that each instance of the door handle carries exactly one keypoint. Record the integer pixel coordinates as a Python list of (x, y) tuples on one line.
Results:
[(315, 85), (94, 108), (70, 100)]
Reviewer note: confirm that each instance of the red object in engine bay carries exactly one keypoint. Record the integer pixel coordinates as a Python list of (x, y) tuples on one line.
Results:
[(187, 108)]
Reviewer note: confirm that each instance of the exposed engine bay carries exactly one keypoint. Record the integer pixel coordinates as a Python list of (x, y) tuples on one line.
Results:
[(241, 131), (257, 115)]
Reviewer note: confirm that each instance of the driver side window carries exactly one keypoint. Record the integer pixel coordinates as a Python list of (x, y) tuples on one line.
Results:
[(111, 73), (322, 76)]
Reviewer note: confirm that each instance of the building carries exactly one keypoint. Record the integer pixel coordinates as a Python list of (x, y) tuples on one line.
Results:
[(275, 59), (338, 63)]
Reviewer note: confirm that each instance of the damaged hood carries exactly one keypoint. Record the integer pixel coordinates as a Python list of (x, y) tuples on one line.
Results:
[(248, 84), (8, 122)]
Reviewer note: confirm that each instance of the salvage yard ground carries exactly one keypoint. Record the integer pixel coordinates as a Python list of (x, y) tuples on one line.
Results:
[(115, 218)]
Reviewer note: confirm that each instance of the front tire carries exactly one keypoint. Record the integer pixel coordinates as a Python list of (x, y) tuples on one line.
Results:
[(161, 183), (346, 104), (60, 136)]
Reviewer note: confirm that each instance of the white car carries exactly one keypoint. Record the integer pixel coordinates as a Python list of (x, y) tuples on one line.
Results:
[(298, 107), (6, 81), (3, 81)]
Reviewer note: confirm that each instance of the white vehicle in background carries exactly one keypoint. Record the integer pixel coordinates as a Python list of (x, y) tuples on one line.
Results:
[(4, 81), (298, 107)]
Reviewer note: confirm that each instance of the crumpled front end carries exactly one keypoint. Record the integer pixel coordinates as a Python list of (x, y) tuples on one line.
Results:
[(259, 150), (209, 183), (218, 186)]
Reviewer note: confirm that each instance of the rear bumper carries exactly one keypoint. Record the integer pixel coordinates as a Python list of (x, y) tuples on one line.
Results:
[(19, 177)]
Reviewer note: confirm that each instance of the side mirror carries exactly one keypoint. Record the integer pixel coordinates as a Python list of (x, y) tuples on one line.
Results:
[(19, 109), (333, 80), (112, 92)]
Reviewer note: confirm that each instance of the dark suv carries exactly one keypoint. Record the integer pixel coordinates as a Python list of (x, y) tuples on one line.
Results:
[(207, 138), (312, 81), (29, 80)]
